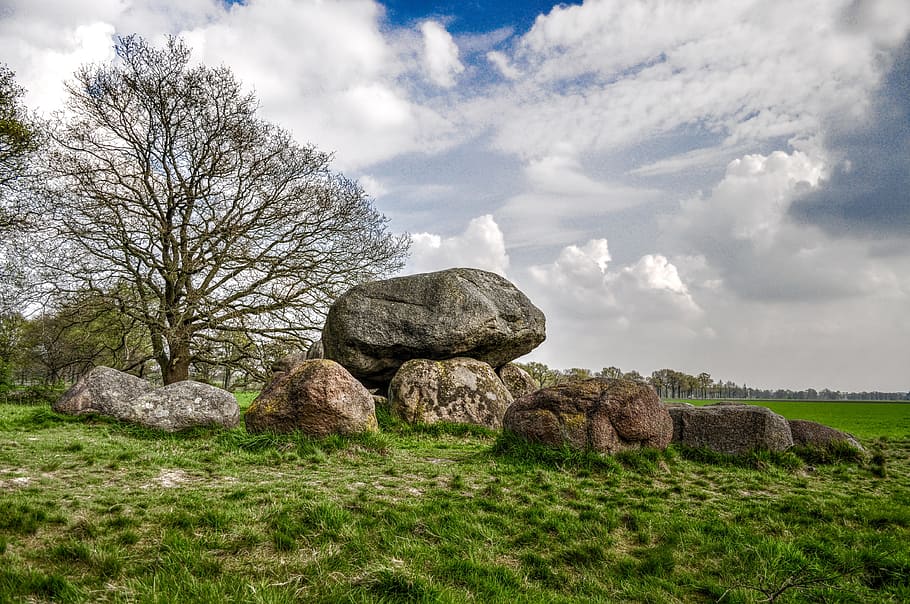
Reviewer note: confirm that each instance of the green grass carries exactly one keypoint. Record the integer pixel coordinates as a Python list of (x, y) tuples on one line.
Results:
[(92, 510), (861, 418)]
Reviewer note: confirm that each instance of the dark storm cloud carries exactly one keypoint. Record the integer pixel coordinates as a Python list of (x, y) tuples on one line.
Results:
[(868, 195)]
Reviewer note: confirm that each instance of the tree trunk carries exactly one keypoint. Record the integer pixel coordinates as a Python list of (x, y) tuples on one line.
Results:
[(177, 367)]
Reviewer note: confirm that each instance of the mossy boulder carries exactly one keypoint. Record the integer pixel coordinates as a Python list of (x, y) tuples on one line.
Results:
[(318, 397), (599, 414), (459, 390), (374, 328), (517, 380)]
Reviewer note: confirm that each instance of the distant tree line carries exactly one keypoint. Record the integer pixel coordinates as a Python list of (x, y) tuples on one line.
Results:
[(672, 384)]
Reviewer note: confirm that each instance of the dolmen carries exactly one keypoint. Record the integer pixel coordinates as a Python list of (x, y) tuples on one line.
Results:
[(127, 398), (434, 343)]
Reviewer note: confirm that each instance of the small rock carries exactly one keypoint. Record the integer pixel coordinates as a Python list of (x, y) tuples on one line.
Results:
[(814, 434), (517, 380)]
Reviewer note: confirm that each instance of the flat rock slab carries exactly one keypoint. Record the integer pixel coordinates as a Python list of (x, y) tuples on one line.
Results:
[(730, 428), (459, 390), (600, 414), (374, 328)]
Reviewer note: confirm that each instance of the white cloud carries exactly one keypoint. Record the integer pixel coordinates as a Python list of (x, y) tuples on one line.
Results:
[(501, 62), (481, 245), (440, 54), (579, 284)]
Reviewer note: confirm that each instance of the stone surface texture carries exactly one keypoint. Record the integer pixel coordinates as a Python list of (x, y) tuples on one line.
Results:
[(318, 397), (375, 327), (459, 390), (732, 428), (600, 414), (517, 380)]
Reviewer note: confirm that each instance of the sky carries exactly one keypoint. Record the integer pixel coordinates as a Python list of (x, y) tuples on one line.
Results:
[(701, 185)]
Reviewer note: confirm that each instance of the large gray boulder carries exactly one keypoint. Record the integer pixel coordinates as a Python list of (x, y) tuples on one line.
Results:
[(126, 398), (183, 405), (459, 390), (731, 428), (813, 434), (318, 397), (600, 414), (375, 327), (104, 391)]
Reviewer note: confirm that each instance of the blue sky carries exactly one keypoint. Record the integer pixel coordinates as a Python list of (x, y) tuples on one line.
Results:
[(709, 186)]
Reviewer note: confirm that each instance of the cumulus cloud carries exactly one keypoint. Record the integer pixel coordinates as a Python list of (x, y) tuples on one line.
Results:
[(481, 245), (440, 54), (609, 74), (502, 63), (580, 284)]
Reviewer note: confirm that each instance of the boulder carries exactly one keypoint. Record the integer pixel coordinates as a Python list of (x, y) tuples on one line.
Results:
[(459, 390), (126, 398), (730, 428), (517, 380), (375, 327), (601, 414), (183, 405), (317, 397), (813, 434), (315, 351), (104, 391), (288, 362)]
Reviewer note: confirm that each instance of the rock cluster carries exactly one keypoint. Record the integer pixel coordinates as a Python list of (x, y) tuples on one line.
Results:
[(171, 408), (599, 414), (376, 327)]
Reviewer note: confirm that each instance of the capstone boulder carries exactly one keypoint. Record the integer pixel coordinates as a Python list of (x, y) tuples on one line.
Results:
[(600, 414), (374, 328), (318, 397), (730, 428), (459, 390)]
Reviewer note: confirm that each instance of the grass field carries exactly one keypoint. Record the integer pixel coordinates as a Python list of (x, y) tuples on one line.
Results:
[(95, 511), (861, 418)]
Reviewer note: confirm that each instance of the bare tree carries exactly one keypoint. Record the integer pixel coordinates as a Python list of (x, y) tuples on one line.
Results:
[(199, 220)]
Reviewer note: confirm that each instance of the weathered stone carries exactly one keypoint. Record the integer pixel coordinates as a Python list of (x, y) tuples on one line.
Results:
[(459, 390), (813, 434), (316, 351), (730, 428), (375, 327), (600, 414), (517, 380), (126, 398), (183, 405), (288, 362), (104, 391), (317, 397)]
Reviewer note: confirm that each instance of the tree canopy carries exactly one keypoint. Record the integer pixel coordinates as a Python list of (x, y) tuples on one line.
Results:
[(209, 227)]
